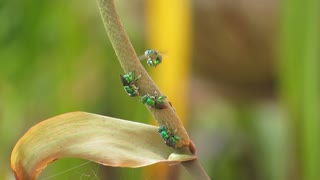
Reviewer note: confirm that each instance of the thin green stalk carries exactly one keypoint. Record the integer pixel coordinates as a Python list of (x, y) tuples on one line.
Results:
[(129, 61), (300, 80)]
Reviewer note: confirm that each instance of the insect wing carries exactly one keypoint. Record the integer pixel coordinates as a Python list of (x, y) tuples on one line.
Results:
[(124, 81)]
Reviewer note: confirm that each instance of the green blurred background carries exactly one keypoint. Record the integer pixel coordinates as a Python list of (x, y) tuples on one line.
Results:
[(252, 103)]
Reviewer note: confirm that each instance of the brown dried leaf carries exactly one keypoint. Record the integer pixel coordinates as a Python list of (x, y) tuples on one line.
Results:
[(105, 140)]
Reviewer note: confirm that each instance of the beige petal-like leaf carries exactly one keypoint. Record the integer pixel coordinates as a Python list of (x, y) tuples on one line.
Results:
[(105, 140)]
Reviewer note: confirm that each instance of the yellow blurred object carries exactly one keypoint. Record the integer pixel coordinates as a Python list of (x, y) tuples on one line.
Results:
[(169, 30)]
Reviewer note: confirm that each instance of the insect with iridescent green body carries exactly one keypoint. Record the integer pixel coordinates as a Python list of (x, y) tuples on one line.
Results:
[(128, 81), (168, 137), (154, 101), (154, 58)]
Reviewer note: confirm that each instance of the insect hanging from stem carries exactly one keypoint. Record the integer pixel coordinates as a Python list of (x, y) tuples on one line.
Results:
[(169, 138), (154, 100), (128, 81)]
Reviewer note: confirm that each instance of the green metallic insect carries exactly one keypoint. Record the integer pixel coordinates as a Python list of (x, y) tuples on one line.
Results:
[(168, 137), (153, 57), (163, 131), (154, 101), (128, 81)]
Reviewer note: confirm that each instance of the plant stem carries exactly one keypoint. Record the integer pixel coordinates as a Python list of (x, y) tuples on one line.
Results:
[(195, 169), (129, 61), (300, 82)]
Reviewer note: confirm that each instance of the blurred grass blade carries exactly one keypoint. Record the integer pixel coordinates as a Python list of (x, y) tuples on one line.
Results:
[(300, 83), (105, 140)]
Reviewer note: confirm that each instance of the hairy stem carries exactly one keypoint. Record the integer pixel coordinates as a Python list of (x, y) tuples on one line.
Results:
[(129, 61), (195, 169)]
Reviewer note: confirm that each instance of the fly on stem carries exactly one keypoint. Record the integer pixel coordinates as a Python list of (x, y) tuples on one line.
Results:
[(153, 57)]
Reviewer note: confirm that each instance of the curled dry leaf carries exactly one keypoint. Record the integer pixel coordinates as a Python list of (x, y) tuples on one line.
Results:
[(105, 140)]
